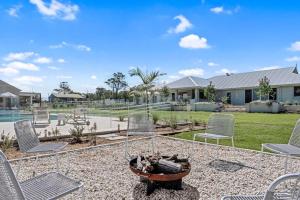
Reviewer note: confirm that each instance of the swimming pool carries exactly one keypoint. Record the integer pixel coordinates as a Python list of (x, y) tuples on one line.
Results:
[(14, 115)]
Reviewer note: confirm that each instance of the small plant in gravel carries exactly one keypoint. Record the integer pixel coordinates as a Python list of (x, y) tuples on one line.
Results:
[(93, 138), (173, 123), (121, 118), (155, 118), (55, 132), (7, 142), (76, 133)]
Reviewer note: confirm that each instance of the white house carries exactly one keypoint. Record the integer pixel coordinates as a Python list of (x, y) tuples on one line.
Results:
[(240, 88)]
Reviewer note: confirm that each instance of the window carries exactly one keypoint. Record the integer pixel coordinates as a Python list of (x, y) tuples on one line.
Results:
[(173, 96), (1, 100), (297, 91), (201, 94), (273, 94), (193, 94)]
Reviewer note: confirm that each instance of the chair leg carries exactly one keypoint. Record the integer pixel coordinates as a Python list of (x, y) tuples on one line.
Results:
[(68, 160), (82, 192), (261, 159), (56, 162), (34, 166), (19, 167), (232, 142), (286, 164)]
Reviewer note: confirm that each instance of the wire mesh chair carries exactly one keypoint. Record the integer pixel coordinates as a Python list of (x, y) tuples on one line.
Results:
[(220, 126), (28, 141), (139, 124), (80, 115), (286, 187), (41, 115), (290, 149), (52, 185)]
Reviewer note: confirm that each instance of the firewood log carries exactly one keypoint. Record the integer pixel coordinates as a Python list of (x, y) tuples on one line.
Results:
[(166, 166)]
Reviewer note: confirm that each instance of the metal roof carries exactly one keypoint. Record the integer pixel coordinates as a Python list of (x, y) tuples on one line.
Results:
[(282, 76), (188, 82), (68, 95)]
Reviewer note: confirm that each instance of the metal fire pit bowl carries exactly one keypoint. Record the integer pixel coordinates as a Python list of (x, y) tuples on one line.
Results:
[(160, 180)]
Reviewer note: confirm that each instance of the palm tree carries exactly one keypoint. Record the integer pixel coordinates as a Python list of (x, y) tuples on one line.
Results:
[(148, 81)]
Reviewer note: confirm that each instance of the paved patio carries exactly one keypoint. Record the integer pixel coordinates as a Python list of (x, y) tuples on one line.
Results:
[(103, 124), (106, 175)]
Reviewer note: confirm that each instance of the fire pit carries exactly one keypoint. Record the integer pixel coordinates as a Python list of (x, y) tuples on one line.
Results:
[(160, 171)]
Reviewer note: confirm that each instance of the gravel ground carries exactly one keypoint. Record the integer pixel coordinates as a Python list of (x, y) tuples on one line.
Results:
[(106, 175)]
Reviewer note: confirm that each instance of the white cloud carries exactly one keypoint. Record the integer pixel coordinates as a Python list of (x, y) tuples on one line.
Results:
[(54, 68), (19, 56), (183, 25), (22, 66), (13, 11), (217, 10), (7, 71), (94, 77), (221, 10), (28, 80), (193, 41), (56, 9), (43, 60), (293, 59), (295, 46), (226, 71), (79, 47), (267, 68), (212, 64), (61, 60), (63, 77), (170, 79), (192, 72)]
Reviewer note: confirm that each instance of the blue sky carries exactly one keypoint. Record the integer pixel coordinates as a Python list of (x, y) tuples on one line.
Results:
[(83, 42)]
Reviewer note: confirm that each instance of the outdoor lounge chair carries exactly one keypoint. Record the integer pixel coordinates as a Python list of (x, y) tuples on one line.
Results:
[(290, 149), (139, 124), (79, 115), (51, 185), (28, 140), (286, 187), (41, 115), (220, 126)]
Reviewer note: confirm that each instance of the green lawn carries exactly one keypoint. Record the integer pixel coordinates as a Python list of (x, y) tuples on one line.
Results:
[(252, 129)]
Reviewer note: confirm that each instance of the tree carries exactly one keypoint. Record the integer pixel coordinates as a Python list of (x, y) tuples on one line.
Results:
[(124, 95), (264, 88), (210, 92), (100, 93), (64, 87), (164, 93), (117, 83), (148, 81)]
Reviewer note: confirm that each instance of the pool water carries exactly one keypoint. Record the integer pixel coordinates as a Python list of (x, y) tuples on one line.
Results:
[(13, 116)]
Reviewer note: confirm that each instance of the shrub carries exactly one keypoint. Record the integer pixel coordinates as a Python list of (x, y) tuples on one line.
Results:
[(7, 142), (173, 123), (121, 118), (155, 117), (76, 133), (55, 132)]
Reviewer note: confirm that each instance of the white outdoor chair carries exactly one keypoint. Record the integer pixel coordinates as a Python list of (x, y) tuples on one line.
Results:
[(220, 126), (28, 141), (290, 149), (51, 185), (139, 124), (80, 115), (41, 115), (286, 187)]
